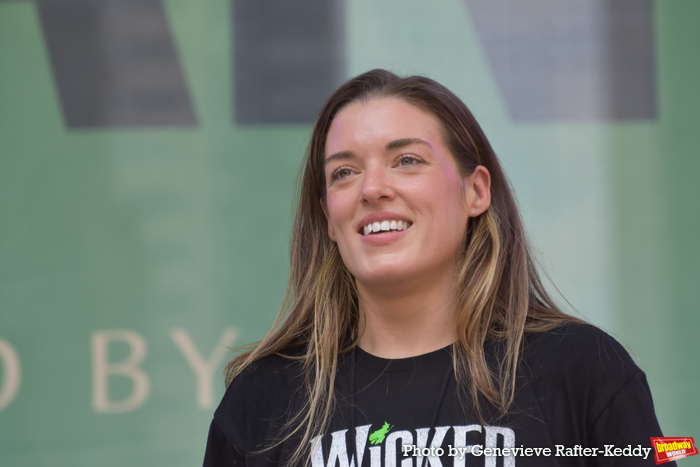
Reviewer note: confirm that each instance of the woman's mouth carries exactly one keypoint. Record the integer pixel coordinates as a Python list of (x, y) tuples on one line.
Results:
[(385, 226)]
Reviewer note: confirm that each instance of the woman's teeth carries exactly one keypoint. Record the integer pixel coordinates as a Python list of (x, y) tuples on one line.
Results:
[(386, 226)]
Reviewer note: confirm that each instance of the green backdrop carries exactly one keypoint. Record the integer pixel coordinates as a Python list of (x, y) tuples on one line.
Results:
[(132, 251)]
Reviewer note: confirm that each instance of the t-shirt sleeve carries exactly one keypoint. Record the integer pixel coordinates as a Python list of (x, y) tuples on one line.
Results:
[(253, 415), (628, 420), (591, 393), (220, 452), (226, 443)]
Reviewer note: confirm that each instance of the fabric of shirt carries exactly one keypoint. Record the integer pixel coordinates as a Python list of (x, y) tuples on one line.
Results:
[(580, 400)]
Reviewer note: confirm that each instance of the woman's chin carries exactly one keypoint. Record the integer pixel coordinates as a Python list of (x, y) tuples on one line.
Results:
[(387, 278)]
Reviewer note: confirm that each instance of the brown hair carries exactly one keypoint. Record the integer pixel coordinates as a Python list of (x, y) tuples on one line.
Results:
[(499, 293)]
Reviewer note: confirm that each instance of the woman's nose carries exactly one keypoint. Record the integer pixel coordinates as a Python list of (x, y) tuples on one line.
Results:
[(377, 186)]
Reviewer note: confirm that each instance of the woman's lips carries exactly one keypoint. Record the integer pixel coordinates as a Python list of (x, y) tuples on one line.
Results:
[(378, 223), (376, 227), (385, 237)]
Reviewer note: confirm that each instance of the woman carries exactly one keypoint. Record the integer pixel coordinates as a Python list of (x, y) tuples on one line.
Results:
[(416, 330)]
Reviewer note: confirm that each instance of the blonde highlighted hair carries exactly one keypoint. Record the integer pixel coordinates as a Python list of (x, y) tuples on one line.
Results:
[(499, 293)]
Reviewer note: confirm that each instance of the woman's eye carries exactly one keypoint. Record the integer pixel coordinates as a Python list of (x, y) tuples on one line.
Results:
[(409, 160), (342, 172)]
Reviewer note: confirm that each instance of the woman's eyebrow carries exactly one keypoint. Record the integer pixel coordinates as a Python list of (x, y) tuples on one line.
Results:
[(399, 143), (342, 155)]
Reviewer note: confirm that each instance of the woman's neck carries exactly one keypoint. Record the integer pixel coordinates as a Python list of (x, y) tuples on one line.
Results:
[(407, 321)]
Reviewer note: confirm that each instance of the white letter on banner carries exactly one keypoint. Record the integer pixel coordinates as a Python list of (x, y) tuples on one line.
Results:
[(102, 369), (203, 370), (12, 374)]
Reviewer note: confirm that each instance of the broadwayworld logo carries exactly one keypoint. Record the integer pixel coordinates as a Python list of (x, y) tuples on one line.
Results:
[(671, 449)]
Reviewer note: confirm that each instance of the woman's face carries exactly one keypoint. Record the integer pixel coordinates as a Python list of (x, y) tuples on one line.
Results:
[(396, 204)]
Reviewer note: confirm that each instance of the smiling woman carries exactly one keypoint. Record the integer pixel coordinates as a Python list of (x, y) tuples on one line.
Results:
[(414, 314), (395, 166)]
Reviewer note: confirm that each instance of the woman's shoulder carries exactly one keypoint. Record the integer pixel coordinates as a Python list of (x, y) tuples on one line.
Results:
[(578, 348), (267, 378), (278, 368), (578, 365), (585, 387), (257, 405), (267, 389)]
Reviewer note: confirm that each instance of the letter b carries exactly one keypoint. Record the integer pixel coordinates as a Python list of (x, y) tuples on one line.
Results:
[(102, 369)]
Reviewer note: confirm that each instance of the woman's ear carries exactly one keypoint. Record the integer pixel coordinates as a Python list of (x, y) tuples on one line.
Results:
[(478, 191), (331, 233)]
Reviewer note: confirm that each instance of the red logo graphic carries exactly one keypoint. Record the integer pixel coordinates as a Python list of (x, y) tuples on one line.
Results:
[(670, 449)]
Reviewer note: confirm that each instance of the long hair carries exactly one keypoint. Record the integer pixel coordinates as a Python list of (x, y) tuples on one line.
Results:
[(499, 294)]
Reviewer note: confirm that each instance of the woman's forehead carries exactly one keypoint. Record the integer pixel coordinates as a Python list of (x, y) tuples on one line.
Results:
[(380, 121)]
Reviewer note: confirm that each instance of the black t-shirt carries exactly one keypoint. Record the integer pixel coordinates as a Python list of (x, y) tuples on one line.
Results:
[(580, 401)]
